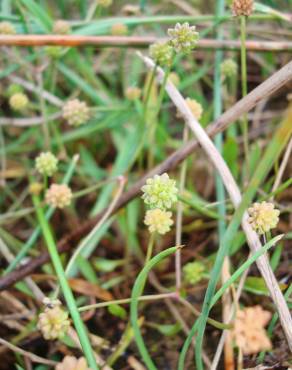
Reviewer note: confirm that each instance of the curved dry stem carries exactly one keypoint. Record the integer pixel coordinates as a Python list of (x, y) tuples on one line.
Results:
[(31, 356)]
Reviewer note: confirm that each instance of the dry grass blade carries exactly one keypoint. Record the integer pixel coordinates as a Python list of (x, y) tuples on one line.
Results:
[(135, 41)]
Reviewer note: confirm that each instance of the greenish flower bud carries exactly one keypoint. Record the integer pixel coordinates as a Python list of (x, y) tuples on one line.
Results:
[(183, 37), (194, 272), (161, 53), (46, 164), (160, 192), (228, 68)]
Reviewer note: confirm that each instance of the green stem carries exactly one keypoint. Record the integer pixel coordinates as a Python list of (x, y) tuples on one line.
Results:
[(179, 217), (149, 88), (153, 126), (152, 297), (150, 248), (80, 328), (244, 90), (220, 192)]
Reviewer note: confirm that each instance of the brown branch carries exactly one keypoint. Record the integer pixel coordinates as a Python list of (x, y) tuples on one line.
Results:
[(134, 41), (267, 88)]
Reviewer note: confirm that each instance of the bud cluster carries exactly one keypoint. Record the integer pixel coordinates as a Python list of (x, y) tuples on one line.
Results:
[(263, 217), (58, 195), (53, 322), (18, 101), (159, 193), (76, 112)]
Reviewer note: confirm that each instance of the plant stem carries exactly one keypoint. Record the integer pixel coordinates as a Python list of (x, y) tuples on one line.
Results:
[(80, 328), (148, 90), (180, 206), (150, 248), (244, 91), (153, 126), (220, 192), (128, 300)]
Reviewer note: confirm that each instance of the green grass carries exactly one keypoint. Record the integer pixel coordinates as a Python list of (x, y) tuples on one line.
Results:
[(129, 138)]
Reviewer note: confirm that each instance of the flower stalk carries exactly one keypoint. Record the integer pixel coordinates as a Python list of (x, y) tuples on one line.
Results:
[(51, 245), (244, 89)]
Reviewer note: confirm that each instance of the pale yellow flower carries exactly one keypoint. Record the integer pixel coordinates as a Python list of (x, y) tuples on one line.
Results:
[(263, 217), (53, 322), (58, 195), (18, 101), (158, 220), (76, 112)]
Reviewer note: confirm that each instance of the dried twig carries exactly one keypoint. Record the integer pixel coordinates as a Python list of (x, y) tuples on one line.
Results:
[(25, 122), (135, 41), (235, 196), (37, 90), (267, 88), (31, 356)]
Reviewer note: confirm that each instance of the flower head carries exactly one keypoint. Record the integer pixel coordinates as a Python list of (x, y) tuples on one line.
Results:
[(54, 52), (76, 112), (119, 29), (18, 101), (36, 188), (193, 272), (228, 68), (104, 3), (58, 196), (160, 192), (46, 163), (161, 53), (133, 93), (72, 363), (195, 107), (61, 27), (158, 220), (53, 322), (242, 7), (249, 330), (183, 37), (263, 217), (7, 28)]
